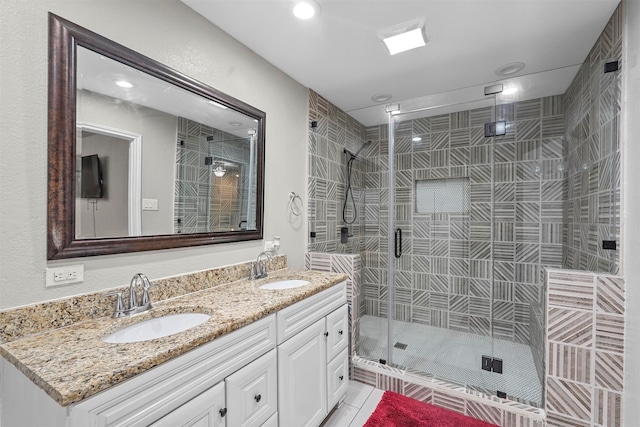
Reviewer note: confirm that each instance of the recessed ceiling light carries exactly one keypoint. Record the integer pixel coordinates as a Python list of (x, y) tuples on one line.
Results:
[(508, 69), (124, 84), (405, 40), (306, 9), (235, 123), (509, 91), (381, 97)]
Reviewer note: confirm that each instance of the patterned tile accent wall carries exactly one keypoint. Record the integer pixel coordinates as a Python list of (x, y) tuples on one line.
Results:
[(591, 104), (457, 398), (335, 131), (585, 348), (203, 201), (351, 265), (444, 276)]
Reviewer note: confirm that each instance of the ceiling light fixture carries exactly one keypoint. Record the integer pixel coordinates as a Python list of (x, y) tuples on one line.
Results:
[(404, 40), (509, 69), (125, 84), (219, 171), (381, 97), (235, 123), (306, 9)]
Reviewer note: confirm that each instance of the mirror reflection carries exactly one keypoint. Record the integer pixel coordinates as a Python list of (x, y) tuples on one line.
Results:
[(143, 157), (156, 159)]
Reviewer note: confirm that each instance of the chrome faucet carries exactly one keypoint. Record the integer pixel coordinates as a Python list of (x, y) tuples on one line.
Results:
[(133, 307), (259, 268)]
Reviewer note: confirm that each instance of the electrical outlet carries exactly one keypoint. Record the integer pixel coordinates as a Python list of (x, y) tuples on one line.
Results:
[(64, 275)]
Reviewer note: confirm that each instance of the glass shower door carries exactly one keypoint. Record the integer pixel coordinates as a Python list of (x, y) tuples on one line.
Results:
[(440, 236)]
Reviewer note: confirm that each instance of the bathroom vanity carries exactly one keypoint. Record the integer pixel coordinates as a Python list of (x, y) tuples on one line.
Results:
[(264, 358)]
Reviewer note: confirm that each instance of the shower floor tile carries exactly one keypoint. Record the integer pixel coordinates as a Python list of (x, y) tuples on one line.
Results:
[(454, 356)]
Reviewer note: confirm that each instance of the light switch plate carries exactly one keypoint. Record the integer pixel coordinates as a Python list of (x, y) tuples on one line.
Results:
[(149, 204)]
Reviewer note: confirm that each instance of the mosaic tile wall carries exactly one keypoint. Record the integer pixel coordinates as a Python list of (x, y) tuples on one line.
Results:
[(327, 183), (443, 277), (591, 103), (203, 201), (585, 349)]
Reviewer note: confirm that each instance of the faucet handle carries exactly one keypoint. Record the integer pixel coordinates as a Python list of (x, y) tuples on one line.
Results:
[(119, 309)]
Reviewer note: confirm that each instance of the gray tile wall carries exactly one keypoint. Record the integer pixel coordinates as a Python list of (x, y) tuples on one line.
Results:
[(546, 211), (204, 202), (327, 182), (444, 276), (591, 103)]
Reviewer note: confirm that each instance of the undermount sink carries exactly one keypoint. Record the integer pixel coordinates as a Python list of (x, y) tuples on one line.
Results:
[(284, 284), (156, 328)]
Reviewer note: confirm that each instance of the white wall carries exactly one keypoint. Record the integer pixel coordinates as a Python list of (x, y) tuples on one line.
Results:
[(631, 211), (159, 132), (108, 216), (171, 33)]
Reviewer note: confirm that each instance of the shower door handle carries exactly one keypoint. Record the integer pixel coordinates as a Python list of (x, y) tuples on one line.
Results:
[(398, 243)]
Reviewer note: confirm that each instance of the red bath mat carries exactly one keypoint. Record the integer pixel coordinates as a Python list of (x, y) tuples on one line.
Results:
[(396, 410)]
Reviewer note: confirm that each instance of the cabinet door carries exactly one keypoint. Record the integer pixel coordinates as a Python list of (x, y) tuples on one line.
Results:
[(272, 422), (338, 331), (337, 378), (302, 378), (252, 392), (205, 410)]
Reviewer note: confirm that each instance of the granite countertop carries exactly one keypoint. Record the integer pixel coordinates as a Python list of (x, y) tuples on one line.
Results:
[(72, 363)]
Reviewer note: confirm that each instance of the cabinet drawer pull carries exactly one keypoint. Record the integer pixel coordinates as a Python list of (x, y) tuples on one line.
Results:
[(258, 397), (340, 332), (223, 412), (326, 334), (341, 377)]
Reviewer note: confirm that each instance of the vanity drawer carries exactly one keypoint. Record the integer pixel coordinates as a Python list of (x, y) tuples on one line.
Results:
[(337, 378), (337, 331), (205, 409), (252, 392)]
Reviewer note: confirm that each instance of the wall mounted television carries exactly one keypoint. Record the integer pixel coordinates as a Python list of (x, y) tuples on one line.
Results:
[(91, 183)]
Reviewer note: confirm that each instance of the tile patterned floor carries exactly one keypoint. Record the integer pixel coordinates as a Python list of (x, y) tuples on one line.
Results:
[(454, 356), (358, 406)]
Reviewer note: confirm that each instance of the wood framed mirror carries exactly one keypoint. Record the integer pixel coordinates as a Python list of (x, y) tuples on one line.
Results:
[(143, 157)]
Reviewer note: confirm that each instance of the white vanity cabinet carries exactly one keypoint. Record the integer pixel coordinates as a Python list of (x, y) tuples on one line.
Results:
[(287, 369), (246, 398), (188, 390), (313, 364)]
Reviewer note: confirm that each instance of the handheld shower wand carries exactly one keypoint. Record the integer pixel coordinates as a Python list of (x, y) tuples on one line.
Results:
[(349, 192)]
